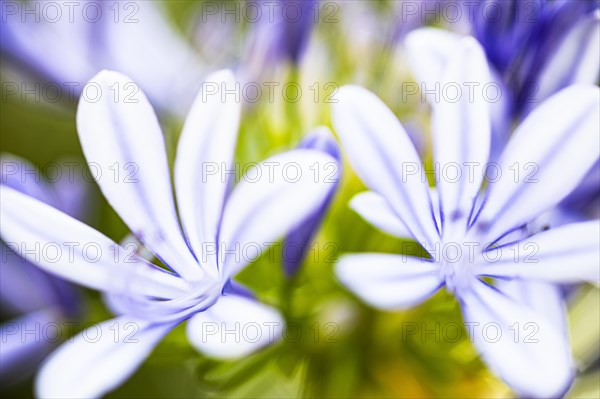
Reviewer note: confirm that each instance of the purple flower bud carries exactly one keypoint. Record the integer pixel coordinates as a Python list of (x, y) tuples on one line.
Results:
[(298, 241)]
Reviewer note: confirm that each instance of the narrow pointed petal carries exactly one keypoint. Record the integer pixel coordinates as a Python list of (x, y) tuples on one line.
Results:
[(429, 50), (124, 146), (204, 157), (388, 281), (566, 254), (547, 157), (536, 361), (99, 359), (374, 209), (234, 326), (383, 156), (462, 132), (274, 197), (298, 241), (575, 61), (64, 246)]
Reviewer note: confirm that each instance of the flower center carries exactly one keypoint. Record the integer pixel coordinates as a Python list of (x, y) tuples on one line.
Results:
[(202, 295), (456, 257)]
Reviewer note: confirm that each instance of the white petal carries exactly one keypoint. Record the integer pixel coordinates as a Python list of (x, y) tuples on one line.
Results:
[(429, 50), (547, 157), (545, 299), (233, 327), (99, 359), (567, 254), (524, 348), (575, 61), (374, 209), (273, 198), (385, 159), (124, 146), (389, 281), (64, 246), (462, 131), (204, 156)]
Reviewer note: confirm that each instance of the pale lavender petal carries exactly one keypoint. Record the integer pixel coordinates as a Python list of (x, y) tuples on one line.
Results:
[(234, 327), (567, 254), (74, 251), (575, 61), (99, 359), (123, 141), (462, 133), (375, 209), (388, 281), (429, 50), (524, 348), (204, 160), (547, 157), (274, 197), (383, 156), (544, 298)]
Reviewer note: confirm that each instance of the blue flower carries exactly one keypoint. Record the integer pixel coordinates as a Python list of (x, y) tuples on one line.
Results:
[(472, 233), (217, 233)]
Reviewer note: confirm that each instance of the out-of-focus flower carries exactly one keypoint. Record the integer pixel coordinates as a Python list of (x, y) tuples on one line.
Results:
[(69, 42), (219, 233), (298, 241), (280, 35), (36, 302), (467, 239), (530, 60), (535, 50), (539, 47)]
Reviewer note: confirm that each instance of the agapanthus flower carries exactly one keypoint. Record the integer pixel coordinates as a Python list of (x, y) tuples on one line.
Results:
[(298, 241), (540, 46), (542, 56), (219, 231), (535, 50), (473, 235), (66, 43), (33, 302)]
